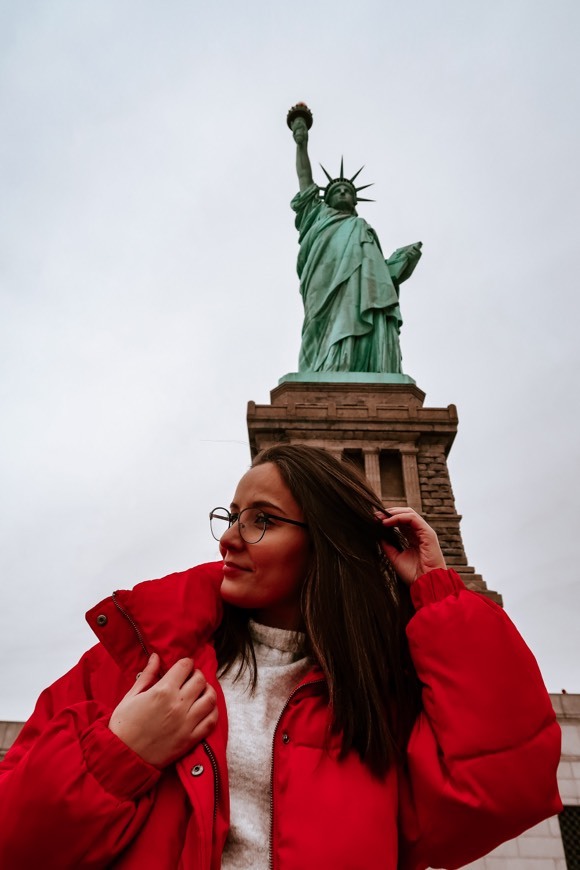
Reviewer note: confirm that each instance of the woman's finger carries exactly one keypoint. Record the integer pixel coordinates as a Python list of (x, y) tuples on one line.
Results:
[(404, 514), (147, 677), (202, 706), (204, 727), (194, 687), (179, 673)]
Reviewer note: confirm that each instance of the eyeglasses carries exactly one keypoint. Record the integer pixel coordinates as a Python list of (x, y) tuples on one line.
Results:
[(252, 523)]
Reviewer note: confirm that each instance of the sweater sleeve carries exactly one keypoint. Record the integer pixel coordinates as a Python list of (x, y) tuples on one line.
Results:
[(71, 793), (482, 757)]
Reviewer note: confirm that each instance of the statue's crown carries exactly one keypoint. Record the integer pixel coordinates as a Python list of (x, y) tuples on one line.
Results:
[(332, 182)]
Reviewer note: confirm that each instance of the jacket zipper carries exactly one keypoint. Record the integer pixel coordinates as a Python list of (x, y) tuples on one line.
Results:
[(294, 692), (205, 745), (132, 622), (216, 781)]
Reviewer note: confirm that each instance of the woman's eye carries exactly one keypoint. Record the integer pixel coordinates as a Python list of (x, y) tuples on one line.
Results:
[(263, 520)]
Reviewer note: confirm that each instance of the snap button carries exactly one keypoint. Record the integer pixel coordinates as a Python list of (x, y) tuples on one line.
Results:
[(197, 770), (285, 738), (102, 619)]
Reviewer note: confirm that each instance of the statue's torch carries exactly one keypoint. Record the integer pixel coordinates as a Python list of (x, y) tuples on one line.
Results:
[(300, 110)]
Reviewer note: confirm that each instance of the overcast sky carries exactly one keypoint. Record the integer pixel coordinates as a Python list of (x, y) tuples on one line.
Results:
[(148, 284)]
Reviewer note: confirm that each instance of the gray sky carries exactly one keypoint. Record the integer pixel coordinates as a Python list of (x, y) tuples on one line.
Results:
[(148, 286)]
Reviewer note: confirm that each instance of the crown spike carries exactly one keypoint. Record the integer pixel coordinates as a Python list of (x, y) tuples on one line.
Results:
[(364, 186), (357, 173), (341, 168), (326, 173), (364, 199)]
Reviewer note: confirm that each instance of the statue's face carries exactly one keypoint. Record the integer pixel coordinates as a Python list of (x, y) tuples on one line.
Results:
[(342, 198)]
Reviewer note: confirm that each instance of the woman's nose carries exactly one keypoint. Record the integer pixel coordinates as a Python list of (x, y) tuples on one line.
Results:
[(231, 536)]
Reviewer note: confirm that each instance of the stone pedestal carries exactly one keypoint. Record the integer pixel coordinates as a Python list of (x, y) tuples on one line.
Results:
[(383, 429)]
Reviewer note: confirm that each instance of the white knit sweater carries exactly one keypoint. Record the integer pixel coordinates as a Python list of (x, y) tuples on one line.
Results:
[(252, 719)]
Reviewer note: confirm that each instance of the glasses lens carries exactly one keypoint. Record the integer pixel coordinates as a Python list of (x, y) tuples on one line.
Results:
[(252, 524), (219, 521)]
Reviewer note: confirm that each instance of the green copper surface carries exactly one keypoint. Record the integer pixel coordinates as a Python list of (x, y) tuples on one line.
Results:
[(350, 292), (345, 378)]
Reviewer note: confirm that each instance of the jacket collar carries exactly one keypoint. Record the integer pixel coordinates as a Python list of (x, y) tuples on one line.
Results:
[(174, 616)]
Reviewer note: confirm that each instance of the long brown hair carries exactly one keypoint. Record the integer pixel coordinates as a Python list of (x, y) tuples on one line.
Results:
[(354, 608)]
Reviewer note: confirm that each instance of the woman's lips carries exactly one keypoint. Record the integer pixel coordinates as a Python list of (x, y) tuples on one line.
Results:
[(231, 569)]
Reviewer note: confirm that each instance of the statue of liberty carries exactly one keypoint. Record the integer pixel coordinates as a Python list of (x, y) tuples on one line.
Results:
[(350, 292)]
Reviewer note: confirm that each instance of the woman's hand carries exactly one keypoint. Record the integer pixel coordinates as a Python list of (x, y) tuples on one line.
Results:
[(423, 554), (162, 720)]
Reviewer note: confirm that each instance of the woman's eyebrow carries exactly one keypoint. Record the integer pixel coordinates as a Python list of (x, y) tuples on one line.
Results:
[(259, 503)]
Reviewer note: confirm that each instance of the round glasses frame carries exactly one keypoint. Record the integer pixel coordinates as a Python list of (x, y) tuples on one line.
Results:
[(252, 523)]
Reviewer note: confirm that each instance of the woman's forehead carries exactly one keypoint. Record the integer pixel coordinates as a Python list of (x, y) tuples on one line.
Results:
[(261, 478), (263, 483)]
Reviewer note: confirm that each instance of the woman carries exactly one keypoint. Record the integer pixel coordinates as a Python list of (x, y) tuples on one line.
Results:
[(350, 745)]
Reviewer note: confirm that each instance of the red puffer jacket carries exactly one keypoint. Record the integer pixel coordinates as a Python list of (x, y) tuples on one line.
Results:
[(480, 769)]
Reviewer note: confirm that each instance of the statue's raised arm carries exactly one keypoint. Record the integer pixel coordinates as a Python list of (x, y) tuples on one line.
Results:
[(300, 120)]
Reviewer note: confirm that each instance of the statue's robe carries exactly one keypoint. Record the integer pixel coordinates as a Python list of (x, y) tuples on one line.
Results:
[(351, 306)]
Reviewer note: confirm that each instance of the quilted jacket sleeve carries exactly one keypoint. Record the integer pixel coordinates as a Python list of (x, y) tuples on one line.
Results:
[(482, 758), (69, 788)]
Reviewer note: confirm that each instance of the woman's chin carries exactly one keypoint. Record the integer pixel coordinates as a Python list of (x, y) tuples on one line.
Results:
[(232, 592)]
